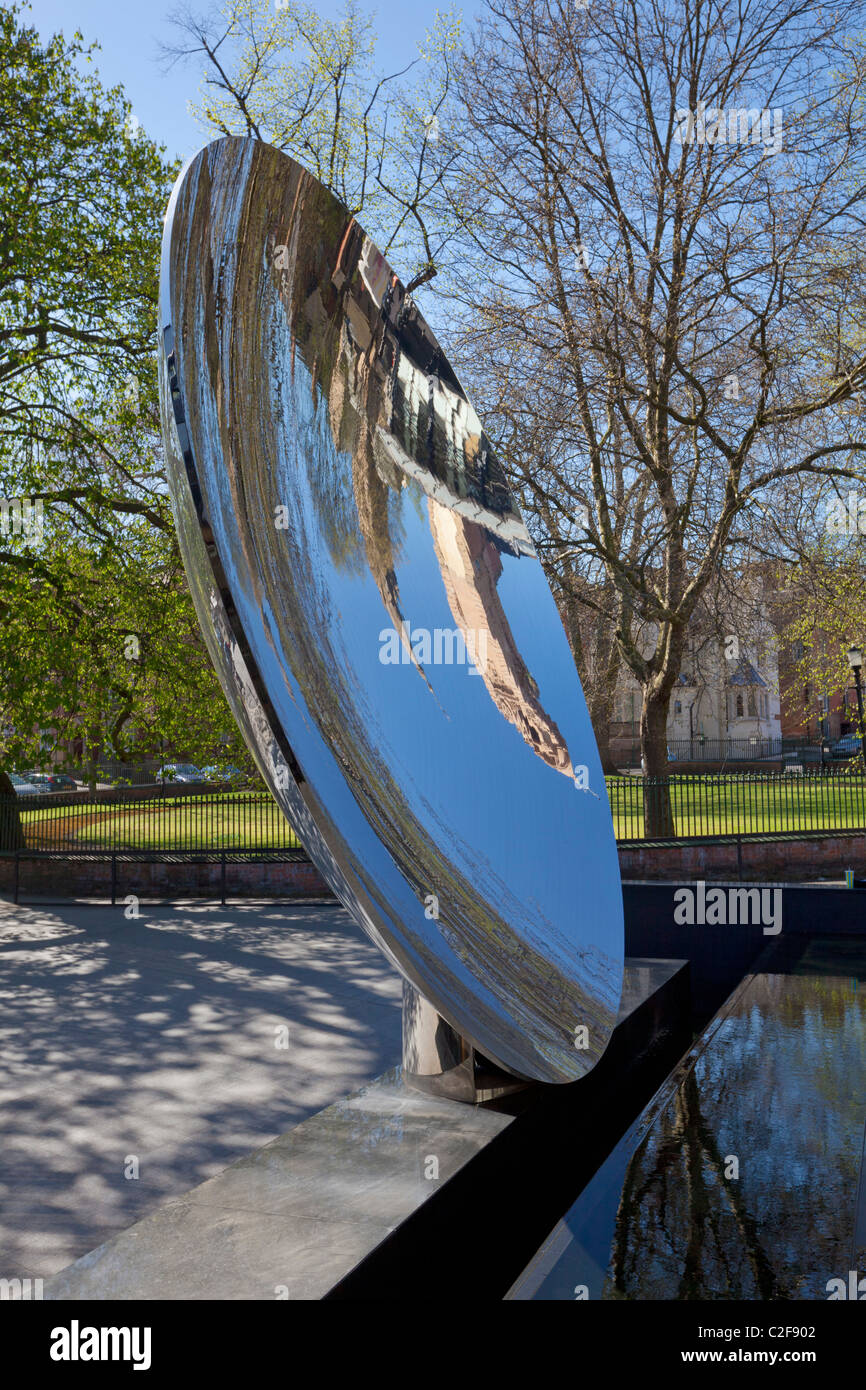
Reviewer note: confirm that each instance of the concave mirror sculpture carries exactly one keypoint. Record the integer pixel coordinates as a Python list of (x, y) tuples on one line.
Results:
[(378, 617)]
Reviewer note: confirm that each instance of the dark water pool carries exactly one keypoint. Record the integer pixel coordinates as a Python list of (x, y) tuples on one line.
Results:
[(743, 1177)]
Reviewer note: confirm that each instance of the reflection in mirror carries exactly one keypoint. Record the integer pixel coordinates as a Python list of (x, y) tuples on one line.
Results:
[(378, 617)]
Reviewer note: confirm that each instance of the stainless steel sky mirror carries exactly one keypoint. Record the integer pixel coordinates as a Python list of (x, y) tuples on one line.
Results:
[(378, 617)]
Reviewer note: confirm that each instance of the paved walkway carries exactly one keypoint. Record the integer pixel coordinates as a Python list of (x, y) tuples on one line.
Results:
[(156, 1046)]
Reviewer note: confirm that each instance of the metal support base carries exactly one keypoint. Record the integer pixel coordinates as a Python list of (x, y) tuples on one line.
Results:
[(438, 1060)]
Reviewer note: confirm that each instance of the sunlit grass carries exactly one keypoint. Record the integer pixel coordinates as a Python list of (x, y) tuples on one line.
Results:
[(252, 820), (729, 806), (231, 821)]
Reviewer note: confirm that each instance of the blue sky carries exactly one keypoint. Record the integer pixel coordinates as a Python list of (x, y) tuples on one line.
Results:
[(129, 36)]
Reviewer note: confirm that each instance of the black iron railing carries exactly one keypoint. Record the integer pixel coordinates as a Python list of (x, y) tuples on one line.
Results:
[(692, 805), (113, 822), (627, 752), (701, 805)]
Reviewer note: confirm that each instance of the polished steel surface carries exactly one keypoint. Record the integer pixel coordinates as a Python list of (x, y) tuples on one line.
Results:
[(378, 617), (438, 1060)]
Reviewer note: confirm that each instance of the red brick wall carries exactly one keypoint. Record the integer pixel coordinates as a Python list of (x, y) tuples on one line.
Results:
[(61, 878), (785, 860), (789, 861)]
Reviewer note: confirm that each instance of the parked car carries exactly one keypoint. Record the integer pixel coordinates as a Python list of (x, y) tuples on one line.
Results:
[(62, 782), (846, 747), (224, 772), (179, 772), (52, 781), (22, 786)]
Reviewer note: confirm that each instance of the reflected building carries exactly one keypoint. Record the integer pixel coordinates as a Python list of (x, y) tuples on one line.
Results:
[(470, 563), (396, 412), (299, 382)]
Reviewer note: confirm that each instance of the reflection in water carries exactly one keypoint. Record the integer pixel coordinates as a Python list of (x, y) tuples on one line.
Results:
[(741, 1180), (328, 474), (678, 1185)]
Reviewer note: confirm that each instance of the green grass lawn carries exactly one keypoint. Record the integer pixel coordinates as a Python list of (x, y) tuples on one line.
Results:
[(728, 806), (712, 805), (234, 820)]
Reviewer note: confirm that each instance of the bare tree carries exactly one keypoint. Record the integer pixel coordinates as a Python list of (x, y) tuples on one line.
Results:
[(536, 442), (309, 85), (662, 213)]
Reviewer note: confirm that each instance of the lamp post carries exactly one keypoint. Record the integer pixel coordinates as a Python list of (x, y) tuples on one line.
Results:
[(855, 661)]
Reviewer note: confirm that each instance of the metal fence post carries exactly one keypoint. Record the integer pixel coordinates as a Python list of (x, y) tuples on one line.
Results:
[(113, 878), (17, 863), (223, 876)]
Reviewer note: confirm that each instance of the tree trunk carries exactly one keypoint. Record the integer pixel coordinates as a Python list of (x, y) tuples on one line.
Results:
[(11, 831), (657, 811), (94, 750), (603, 715), (600, 715)]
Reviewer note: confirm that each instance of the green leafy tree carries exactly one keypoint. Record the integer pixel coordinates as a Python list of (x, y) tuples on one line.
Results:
[(88, 555), (82, 194), (103, 655), (823, 601)]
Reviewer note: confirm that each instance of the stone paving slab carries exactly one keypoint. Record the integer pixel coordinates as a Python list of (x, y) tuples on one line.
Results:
[(155, 1039), (290, 1220), (296, 1217)]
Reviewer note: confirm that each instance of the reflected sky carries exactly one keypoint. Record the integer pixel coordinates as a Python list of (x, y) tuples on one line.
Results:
[(342, 516)]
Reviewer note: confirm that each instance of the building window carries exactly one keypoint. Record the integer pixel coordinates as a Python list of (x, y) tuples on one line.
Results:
[(678, 706), (739, 706)]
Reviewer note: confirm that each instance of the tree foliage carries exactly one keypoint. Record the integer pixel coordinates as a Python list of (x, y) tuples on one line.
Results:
[(823, 598), (87, 548), (312, 87)]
